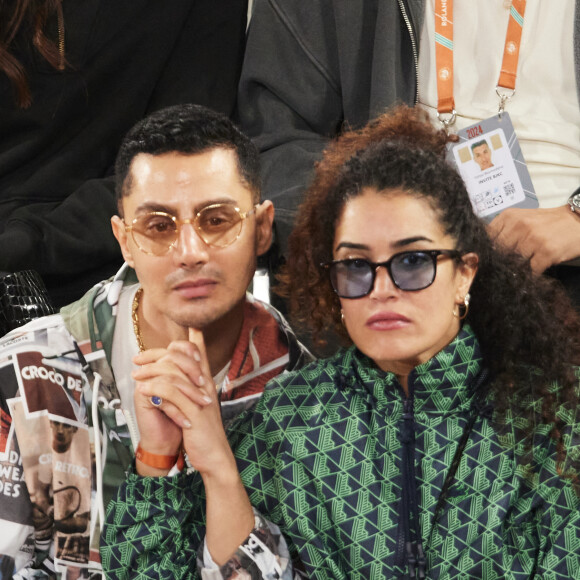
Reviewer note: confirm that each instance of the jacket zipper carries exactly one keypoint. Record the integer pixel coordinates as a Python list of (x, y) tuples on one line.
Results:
[(409, 548), (409, 26)]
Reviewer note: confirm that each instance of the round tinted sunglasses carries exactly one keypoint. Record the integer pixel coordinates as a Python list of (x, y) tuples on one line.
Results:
[(218, 225), (409, 271)]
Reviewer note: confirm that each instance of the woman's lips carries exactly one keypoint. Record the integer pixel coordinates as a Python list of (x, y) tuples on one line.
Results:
[(387, 321)]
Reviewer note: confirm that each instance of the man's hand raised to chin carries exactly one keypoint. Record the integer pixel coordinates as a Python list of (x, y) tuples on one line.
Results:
[(188, 414)]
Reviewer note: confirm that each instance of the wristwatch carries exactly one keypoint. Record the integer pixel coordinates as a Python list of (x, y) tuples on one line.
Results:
[(574, 202)]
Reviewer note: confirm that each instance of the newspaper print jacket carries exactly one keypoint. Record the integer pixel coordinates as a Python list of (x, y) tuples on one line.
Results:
[(57, 473)]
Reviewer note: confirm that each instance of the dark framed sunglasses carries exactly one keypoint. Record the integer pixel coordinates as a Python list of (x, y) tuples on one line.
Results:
[(410, 271)]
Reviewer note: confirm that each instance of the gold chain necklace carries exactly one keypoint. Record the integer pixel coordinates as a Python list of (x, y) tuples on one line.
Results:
[(135, 318)]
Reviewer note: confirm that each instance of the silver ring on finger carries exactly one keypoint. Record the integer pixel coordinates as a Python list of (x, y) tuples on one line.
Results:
[(156, 401)]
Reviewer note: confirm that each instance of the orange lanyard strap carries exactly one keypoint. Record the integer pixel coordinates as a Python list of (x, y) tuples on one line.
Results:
[(444, 55), (511, 51)]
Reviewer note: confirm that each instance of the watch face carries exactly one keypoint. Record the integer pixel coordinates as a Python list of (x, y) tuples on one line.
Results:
[(575, 201)]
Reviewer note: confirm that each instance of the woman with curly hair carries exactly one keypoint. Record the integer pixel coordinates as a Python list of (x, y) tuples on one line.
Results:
[(442, 443)]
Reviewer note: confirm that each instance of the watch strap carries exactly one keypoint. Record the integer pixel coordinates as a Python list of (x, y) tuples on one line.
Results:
[(574, 201)]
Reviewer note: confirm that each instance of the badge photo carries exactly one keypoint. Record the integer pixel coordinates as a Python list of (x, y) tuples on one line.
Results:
[(489, 159)]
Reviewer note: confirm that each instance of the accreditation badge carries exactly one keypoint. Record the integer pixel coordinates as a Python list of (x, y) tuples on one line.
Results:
[(490, 161)]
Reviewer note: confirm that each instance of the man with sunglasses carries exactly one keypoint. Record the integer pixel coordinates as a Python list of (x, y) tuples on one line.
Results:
[(190, 226)]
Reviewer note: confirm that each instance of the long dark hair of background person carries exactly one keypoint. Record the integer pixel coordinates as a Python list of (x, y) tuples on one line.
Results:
[(30, 17), (527, 328)]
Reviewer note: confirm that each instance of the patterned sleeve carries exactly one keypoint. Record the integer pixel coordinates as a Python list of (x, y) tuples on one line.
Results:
[(147, 533), (263, 555), (560, 553), (559, 524), (155, 528)]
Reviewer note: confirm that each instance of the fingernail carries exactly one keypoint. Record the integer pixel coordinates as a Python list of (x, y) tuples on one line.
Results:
[(201, 380), (186, 424), (196, 356), (207, 399)]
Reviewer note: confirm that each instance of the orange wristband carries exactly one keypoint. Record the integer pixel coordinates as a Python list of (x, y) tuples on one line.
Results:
[(159, 461)]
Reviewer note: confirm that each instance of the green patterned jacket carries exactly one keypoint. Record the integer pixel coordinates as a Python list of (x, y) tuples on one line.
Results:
[(321, 457)]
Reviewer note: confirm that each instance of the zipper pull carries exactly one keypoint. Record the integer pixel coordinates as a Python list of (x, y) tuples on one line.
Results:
[(407, 430)]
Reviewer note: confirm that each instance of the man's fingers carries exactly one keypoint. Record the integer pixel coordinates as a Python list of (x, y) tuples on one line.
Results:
[(196, 338), (175, 414), (169, 372), (191, 358), (149, 356), (177, 390), (179, 374), (197, 395), (166, 386), (178, 363)]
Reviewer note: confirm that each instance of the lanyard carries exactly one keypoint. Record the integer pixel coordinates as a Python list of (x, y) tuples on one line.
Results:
[(444, 58)]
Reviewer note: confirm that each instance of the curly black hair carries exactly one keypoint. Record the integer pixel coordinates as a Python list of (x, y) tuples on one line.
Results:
[(522, 320), (186, 129)]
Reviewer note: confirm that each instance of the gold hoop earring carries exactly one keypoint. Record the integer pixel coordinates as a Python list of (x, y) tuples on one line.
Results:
[(342, 317), (465, 305)]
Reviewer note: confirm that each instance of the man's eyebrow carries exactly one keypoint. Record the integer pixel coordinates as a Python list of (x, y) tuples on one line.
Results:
[(154, 206), (398, 244)]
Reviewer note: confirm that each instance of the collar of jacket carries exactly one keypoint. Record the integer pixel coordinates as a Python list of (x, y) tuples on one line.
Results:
[(441, 385), (93, 316)]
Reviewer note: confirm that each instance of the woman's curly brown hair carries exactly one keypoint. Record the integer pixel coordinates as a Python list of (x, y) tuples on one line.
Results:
[(520, 319)]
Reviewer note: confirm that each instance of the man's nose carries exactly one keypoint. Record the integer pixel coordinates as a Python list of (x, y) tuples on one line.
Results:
[(190, 249)]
